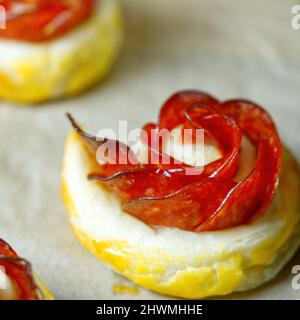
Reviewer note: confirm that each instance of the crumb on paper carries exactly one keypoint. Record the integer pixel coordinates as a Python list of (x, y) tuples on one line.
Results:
[(121, 289)]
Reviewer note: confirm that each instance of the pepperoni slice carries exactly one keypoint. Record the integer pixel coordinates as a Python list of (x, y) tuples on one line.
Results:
[(42, 20), (165, 195), (19, 270)]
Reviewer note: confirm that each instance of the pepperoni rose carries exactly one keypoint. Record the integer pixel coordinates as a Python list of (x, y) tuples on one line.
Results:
[(164, 195)]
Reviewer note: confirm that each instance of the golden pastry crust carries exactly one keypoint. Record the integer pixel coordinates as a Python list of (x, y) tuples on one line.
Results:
[(176, 262), (65, 66), (47, 295)]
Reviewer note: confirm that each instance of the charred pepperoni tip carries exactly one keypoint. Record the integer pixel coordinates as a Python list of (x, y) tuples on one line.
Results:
[(93, 177), (77, 128)]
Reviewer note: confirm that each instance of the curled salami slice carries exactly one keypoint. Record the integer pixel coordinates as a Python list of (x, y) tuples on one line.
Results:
[(164, 195), (185, 209), (20, 272)]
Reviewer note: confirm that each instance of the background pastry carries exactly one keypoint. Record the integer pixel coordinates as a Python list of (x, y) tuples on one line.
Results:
[(52, 49)]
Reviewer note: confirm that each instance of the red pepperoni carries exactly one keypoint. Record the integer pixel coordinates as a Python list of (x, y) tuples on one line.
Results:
[(164, 195), (42, 20), (18, 270)]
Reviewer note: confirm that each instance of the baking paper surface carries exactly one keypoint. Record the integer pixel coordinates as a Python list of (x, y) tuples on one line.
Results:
[(228, 48)]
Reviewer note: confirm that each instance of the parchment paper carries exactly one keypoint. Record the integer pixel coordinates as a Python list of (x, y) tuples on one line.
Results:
[(229, 48)]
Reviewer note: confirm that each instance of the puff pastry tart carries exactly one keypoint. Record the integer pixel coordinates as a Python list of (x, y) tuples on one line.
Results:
[(55, 48), (229, 227), (17, 282)]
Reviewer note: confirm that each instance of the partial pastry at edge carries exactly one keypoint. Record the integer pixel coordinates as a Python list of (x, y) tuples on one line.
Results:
[(53, 49), (18, 282), (233, 246)]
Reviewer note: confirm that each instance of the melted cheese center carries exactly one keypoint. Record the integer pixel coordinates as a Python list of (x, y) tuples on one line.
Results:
[(203, 152), (181, 147)]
